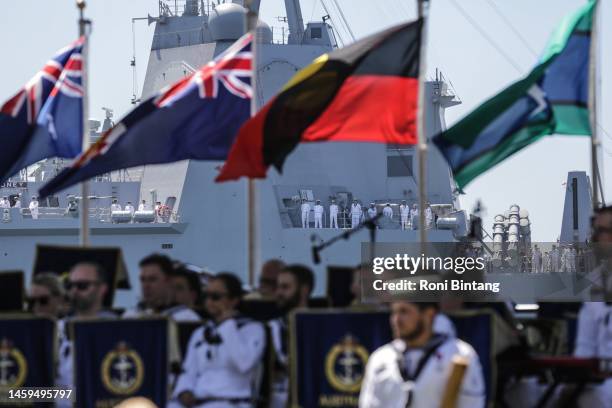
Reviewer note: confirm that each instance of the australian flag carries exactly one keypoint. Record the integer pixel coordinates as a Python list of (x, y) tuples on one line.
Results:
[(45, 118), (197, 118)]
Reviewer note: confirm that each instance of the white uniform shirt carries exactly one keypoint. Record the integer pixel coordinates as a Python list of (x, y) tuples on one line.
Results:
[(318, 209), (17, 204), (371, 212), (414, 212), (388, 212), (594, 333), (115, 207), (226, 369), (384, 387), (356, 210), (5, 203), (34, 208), (142, 207), (404, 210), (129, 208), (333, 209), (305, 208), (178, 313)]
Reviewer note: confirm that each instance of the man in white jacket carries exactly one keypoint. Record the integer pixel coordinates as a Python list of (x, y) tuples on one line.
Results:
[(413, 369)]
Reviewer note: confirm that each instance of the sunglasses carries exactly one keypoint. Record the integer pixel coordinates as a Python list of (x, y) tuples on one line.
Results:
[(41, 300), (80, 285), (215, 296)]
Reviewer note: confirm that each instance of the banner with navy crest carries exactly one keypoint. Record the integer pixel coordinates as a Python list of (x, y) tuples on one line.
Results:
[(26, 353), (331, 350), (118, 359)]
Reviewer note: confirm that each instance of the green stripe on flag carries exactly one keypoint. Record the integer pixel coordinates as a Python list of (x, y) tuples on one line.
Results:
[(571, 120)]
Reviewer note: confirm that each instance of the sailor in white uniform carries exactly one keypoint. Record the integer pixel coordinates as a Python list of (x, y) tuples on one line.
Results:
[(318, 214), (34, 208), (115, 206), (372, 211), (413, 370), (414, 216), (5, 203), (554, 259), (17, 203), (355, 213), (333, 215), (143, 206), (224, 357), (404, 214), (305, 208), (129, 207), (388, 211), (429, 217)]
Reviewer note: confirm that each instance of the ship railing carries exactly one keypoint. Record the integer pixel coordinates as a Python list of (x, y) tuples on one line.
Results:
[(8, 215), (172, 8), (345, 221)]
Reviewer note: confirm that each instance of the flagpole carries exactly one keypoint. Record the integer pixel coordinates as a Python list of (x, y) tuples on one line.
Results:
[(84, 214), (593, 79), (422, 137), (252, 204)]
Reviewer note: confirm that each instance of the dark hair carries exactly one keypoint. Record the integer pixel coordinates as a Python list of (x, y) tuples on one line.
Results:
[(164, 263), (232, 284), (302, 274), (426, 305), (192, 278), (601, 210), (100, 271)]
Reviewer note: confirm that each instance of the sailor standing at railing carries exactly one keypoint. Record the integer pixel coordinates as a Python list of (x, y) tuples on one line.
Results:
[(414, 216), (404, 214), (5, 203), (143, 206), (129, 207), (333, 215), (115, 206), (388, 211), (355, 213), (305, 213), (429, 216), (318, 214), (372, 211), (17, 202), (34, 208)]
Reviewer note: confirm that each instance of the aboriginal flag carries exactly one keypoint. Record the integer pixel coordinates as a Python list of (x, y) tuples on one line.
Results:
[(366, 92)]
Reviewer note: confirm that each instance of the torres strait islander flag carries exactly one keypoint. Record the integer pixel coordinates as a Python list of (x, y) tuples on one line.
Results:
[(366, 92)]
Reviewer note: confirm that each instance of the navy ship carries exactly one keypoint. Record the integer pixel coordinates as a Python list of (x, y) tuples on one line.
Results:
[(205, 223)]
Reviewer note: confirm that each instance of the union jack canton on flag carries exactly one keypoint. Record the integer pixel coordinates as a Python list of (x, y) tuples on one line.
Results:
[(45, 118), (197, 118)]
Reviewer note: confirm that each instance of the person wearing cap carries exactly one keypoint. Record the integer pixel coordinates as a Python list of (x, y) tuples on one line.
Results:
[(223, 356), (305, 208), (34, 208), (413, 370), (5, 203), (388, 211), (404, 214), (115, 206), (318, 214), (355, 213), (333, 215), (372, 211), (17, 203)]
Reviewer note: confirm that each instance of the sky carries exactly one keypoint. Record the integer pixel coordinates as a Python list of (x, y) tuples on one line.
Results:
[(459, 46)]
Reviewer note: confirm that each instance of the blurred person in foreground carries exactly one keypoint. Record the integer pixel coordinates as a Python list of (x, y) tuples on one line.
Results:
[(86, 287), (224, 356), (267, 280), (46, 297), (158, 298), (594, 332), (187, 286), (294, 287), (414, 368)]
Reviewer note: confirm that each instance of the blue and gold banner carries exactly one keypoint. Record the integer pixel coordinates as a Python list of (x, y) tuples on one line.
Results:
[(118, 359), (331, 350), (26, 353)]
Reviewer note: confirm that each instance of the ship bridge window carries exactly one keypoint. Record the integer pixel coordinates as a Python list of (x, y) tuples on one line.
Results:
[(316, 32), (399, 166)]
